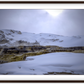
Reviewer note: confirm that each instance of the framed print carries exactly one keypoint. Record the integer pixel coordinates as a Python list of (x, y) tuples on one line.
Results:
[(41, 42)]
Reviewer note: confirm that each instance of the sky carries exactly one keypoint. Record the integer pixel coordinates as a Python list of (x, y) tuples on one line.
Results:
[(69, 22)]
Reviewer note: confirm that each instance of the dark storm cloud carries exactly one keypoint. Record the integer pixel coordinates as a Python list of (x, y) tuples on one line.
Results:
[(69, 22)]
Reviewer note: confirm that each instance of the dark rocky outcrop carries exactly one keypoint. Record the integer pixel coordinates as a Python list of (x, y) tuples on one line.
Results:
[(2, 61), (24, 49), (21, 52)]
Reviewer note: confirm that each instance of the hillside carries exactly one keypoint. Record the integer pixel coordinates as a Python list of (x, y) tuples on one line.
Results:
[(21, 58), (49, 64), (16, 38)]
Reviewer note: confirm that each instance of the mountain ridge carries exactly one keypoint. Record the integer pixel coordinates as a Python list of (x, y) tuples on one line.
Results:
[(9, 37)]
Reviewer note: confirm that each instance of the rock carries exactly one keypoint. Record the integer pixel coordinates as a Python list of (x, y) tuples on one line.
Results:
[(1, 31), (2, 61), (19, 32), (1, 51), (24, 57), (30, 58)]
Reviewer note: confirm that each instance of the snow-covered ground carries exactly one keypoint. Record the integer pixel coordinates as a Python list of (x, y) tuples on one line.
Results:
[(43, 38), (41, 64)]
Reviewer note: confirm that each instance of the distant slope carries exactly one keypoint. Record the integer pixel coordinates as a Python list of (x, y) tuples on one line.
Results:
[(11, 38)]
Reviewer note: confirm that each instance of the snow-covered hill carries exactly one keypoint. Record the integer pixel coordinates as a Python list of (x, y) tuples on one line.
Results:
[(11, 38), (41, 64)]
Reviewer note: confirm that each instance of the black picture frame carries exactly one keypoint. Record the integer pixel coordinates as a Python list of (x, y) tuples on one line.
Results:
[(41, 81), (42, 2)]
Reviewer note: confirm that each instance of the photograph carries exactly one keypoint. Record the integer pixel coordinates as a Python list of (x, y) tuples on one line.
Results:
[(42, 41)]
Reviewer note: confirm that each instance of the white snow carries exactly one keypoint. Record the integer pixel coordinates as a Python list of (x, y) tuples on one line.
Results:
[(46, 39), (52, 62)]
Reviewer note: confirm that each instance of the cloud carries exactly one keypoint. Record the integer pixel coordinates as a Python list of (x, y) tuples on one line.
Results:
[(68, 23)]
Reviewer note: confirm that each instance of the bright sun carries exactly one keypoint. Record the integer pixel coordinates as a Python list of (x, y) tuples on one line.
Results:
[(54, 12)]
